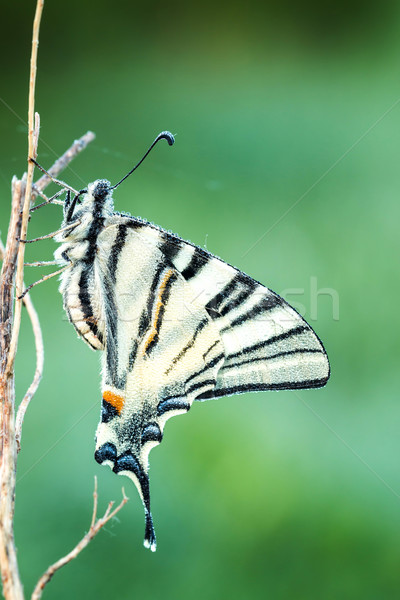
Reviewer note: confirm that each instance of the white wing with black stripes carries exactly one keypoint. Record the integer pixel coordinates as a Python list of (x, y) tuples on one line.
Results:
[(267, 345), (159, 339), (175, 324), (183, 325)]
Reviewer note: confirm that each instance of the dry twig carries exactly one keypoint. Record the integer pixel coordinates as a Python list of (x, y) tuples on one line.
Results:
[(95, 527), (9, 329), (11, 275), (12, 587), (33, 133), (37, 333)]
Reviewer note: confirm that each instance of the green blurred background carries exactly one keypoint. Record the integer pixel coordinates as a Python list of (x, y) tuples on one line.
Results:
[(271, 495)]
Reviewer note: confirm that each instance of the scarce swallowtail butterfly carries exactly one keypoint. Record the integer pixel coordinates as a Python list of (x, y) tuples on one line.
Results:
[(175, 324)]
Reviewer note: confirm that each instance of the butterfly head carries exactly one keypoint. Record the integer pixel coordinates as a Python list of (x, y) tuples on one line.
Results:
[(100, 189), (93, 203), (99, 198)]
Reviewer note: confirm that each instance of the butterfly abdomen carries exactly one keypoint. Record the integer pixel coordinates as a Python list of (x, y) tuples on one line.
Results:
[(81, 285), (82, 303)]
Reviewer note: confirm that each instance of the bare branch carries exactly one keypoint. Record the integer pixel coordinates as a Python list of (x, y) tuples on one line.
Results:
[(10, 319), (37, 332), (33, 132), (36, 130), (95, 527), (95, 499), (11, 272), (12, 587)]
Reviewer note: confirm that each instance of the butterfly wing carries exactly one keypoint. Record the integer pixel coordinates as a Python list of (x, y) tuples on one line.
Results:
[(158, 338), (181, 325), (267, 345)]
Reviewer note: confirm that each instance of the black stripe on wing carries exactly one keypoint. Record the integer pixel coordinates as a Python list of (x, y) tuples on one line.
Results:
[(272, 340), (212, 363), (270, 357), (133, 354), (116, 250), (113, 375), (241, 297), (145, 318), (160, 316), (199, 385), (170, 249), (173, 403), (267, 303), (199, 259), (211, 348), (233, 294), (214, 305), (260, 387)]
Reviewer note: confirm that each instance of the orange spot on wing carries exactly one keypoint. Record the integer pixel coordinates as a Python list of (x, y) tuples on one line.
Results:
[(114, 400)]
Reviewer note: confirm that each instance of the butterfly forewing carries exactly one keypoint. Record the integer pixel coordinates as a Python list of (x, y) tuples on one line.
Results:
[(266, 344)]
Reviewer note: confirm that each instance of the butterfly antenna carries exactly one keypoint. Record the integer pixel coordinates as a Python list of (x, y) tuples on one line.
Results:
[(57, 181), (166, 135)]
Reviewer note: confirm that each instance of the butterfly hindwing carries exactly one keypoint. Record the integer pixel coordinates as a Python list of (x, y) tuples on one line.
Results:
[(162, 350)]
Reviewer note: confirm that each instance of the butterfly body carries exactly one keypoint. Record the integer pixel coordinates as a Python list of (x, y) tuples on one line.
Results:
[(175, 324)]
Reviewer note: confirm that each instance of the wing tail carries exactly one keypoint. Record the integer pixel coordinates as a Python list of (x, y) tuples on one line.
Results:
[(140, 478), (149, 535), (127, 464)]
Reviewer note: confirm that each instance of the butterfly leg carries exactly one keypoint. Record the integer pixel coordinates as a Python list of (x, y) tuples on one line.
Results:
[(50, 235), (52, 200), (42, 263), (68, 266)]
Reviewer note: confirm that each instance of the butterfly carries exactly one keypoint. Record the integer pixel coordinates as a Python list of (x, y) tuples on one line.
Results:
[(174, 323)]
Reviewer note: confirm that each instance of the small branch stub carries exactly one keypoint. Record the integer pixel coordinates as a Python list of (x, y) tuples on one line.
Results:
[(95, 526)]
